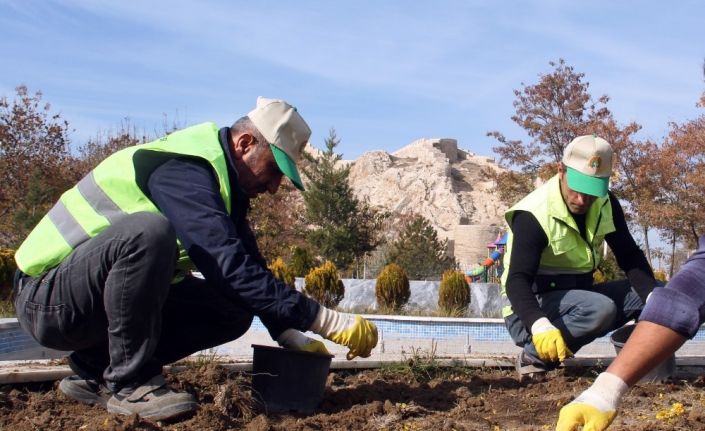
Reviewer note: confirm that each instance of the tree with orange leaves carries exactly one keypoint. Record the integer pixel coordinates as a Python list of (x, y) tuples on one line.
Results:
[(673, 184), (552, 112), (680, 172), (35, 162), (634, 183)]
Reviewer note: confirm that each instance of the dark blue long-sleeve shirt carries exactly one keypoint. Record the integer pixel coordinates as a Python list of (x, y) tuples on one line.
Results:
[(222, 246)]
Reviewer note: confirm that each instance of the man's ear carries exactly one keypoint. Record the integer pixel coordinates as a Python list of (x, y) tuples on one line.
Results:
[(243, 143)]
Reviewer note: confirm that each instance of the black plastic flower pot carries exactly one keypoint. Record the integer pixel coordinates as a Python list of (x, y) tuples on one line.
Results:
[(286, 380)]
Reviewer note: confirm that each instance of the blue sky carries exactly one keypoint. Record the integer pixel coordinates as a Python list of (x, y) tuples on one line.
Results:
[(381, 73)]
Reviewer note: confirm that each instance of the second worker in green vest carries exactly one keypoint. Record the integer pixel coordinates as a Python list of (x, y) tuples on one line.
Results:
[(555, 244)]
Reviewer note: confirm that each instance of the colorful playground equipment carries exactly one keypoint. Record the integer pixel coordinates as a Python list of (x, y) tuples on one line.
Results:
[(490, 269)]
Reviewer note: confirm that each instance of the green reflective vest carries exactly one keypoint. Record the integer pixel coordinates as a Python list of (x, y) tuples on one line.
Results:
[(111, 191), (567, 251)]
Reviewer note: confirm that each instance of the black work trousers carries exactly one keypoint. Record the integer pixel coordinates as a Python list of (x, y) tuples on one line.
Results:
[(111, 303)]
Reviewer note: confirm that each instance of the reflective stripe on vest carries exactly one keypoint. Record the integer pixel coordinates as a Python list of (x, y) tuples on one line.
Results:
[(98, 199), (111, 191), (67, 225)]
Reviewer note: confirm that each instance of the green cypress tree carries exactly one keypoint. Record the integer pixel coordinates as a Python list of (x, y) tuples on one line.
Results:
[(301, 261), (419, 251), (344, 228)]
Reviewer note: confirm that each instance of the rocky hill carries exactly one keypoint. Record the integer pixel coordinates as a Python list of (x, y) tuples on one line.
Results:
[(436, 179)]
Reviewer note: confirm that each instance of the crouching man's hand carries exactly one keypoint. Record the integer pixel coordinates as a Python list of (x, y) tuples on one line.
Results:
[(596, 407), (293, 339), (549, 342), (351, 331)]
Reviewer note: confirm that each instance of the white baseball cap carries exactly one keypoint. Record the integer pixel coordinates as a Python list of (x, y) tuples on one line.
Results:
[(286, 132), (589, 162)]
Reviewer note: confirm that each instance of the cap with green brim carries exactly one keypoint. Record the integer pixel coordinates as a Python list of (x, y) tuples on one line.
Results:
[(287, 166), (286, 132), (587, 184), (589, 165)]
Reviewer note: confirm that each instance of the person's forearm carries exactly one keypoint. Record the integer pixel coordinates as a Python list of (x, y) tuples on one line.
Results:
[(528, 241), (649, 345), (215, 245), (642, 281), (630, 257), (671, 316), (524, 303)]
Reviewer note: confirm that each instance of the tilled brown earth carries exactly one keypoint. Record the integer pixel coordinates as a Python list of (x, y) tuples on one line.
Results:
[(406, 397)]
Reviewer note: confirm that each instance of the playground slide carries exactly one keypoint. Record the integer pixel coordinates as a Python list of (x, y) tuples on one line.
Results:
[(484, 265)]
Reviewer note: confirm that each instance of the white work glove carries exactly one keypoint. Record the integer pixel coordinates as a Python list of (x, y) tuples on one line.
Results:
[(596, 407), (351, 331), (293, 339), (549, 342)]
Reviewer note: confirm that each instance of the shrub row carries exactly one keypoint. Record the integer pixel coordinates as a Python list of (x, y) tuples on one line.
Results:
[(392, 290)]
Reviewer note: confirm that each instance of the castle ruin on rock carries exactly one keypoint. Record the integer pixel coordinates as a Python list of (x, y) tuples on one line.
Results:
[(445, 184)]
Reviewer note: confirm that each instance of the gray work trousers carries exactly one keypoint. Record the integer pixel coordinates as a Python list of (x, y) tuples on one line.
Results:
[(581, 315), (112, 303)]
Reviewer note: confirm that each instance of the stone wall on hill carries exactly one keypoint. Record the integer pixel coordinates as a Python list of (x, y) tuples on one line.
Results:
[(436, 179)]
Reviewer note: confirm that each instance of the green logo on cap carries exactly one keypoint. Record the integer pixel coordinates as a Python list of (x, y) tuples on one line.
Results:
[(595, 162)]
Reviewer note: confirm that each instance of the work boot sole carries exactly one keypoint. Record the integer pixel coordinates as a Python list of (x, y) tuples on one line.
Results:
[(171, 411)]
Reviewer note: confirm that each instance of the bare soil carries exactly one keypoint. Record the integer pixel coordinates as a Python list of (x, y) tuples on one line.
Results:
[(405, 397)]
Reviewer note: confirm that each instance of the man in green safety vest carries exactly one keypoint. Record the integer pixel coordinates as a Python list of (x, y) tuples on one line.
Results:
[(106, 274), (555, 243)]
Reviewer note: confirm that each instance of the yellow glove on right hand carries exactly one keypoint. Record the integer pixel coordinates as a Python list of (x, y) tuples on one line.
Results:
[(549, 342), (596, 407), (315, 346), (592, 419), (293, 339), (352, 331)]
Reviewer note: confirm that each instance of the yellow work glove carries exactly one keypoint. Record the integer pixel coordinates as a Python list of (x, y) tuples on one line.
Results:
[(351, 331), (595, 408), (590, 418), (293, 339), (549, 342)]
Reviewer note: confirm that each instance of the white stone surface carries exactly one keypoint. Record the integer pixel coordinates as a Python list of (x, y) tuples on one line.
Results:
[(445, 184), (485, 300)]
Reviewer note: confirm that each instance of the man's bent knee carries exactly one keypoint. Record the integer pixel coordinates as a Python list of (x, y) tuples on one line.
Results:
[(601, 316), (151, 227), (606, 319)]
